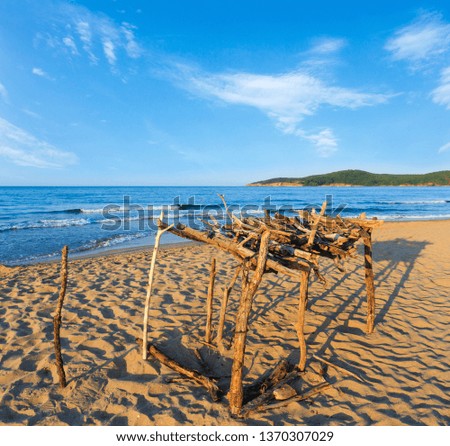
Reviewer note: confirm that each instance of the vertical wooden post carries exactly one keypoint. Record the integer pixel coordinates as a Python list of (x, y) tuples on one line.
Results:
[(368, 273), (249, 288), (301, 318), (209, 302), (316, 224), (223, 308), (151, 274), (57, 320)]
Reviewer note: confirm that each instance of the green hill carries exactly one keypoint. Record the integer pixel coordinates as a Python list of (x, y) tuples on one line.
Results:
[(362, 178)]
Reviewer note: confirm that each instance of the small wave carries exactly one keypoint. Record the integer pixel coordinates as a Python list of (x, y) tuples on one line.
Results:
[(113, 209), (57, 211), (415, 217), (47, 224), (414, 202), (90, 246), (110, 241), (89, 210), (72, 211)]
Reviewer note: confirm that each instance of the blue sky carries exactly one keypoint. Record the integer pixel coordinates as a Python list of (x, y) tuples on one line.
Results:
[(164, 92)]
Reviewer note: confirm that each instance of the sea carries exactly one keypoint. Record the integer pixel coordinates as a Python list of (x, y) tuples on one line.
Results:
[(36, 222)]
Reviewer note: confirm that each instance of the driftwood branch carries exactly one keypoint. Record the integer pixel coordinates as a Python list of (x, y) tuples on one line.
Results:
[(297, 398), (267, 396), (288, 268), (151, 273), (267, 381), (57, 320), (209, 302), (248, 291), (316, 224), (301, 319), (337, 367), (212, 388), (278, 373), (368, 274), (223, 308)]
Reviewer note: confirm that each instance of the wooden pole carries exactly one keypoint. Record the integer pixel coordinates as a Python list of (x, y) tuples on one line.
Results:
[(301, 319), (57, 320), (368, 273), (236, 393), (267, 216), (314, 227), (159, 233), (223, 308), (209, 302)]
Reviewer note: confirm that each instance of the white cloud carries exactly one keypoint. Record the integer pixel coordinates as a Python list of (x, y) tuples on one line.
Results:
[(70, 44), (444, 148), (3, 92), (132, 47), (95, 35), (24, 149), (325, 141), (83, 29), (286, 98), (327, 45), (76, 31), (108, 48), (441, 94), (40, 72), (427, 38), (31, 113)]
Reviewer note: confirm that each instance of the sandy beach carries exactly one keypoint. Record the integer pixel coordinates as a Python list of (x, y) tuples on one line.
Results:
[(404, 365)]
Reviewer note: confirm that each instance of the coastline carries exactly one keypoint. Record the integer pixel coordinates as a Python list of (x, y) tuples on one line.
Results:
[(106, 252), (109, 384), (118, 251)]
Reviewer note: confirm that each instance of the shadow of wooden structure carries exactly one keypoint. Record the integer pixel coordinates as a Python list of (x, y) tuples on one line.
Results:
[(278, 244)]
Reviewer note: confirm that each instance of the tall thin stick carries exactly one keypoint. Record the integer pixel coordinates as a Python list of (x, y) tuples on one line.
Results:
[(301, 318), (159, 233), (370, 288), (249, 288), (223, 308), (314, 227), (57, 319), (209, 302)]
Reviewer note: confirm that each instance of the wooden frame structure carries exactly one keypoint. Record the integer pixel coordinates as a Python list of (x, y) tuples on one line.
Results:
[(277, 244)]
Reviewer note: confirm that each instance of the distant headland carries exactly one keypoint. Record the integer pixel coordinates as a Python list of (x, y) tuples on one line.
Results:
[(361, 178)]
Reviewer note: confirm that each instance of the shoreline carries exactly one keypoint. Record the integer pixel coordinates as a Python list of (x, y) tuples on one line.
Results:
[(93, 254)]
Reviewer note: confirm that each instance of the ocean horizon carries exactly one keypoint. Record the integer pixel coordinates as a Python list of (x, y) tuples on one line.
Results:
[(36, 222)]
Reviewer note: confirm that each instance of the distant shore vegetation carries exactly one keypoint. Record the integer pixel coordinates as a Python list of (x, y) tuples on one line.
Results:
[(361, 178)]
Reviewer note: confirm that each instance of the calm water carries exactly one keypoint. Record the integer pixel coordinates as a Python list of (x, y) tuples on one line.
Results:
[(35, 222)]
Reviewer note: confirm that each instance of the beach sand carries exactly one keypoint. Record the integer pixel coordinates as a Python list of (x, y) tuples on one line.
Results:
[(404, 364)]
